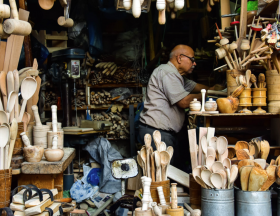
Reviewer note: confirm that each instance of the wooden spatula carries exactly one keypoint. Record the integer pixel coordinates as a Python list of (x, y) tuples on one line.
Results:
[(244, 177), (246, 162), (271, 172), (265, 148), (257, 178)]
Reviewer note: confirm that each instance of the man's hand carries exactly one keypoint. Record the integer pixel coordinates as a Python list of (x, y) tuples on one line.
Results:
[(185, 102)]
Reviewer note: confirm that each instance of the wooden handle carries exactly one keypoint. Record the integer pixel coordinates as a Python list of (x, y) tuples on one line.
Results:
[(36, 115), (63, 3), (7, 156), (2, 161), (231, 59), (174, 201), (161, 17), (11, 149), (148, 163), (158, 174), (54, 117), (235, 57), (163, 173), (16, 108), (153, 168), (14, 10), (4, 11), (65, 23), (228, 63), (136, 8), (17, 27)]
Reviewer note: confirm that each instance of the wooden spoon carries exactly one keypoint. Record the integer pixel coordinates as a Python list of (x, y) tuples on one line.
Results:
[(213, 142), (205, 175), (209, 161), (197, 171), (28, 88), (224, 175), (211, 151), (253, 79), (153, 171), (162, 146), (224, 156), (25, 120), (261, 162), (157, 138), (3, 88), (16, 89), (5, 137), (158, 166), (217, 165), (141, 162), (204, 146), (170, 150), (164, 160), (248, 77), (13, 136), (233, 174), (222, 145), (217, 180), (10, 82), (200, 181), (227, 163), (148, 143), (3, 117), (11, 104)]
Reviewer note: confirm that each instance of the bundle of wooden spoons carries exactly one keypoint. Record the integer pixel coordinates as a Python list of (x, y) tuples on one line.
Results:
[(155, 163)]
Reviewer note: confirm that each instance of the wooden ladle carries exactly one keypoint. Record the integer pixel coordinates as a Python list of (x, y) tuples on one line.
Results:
[(164, 160), (28, 88)]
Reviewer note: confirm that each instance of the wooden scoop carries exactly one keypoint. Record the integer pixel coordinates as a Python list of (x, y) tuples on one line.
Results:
[(223, 156), (241, 145), (270, 170), (13, 136), (217, 180), (200, 181), (28, 88), (157, 138), (170, 150), (257, 178), (224, 175), (164, 159), (5, 137), (148, 142)]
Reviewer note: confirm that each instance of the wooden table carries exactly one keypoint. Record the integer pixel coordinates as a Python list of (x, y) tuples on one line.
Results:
[(46, 174)]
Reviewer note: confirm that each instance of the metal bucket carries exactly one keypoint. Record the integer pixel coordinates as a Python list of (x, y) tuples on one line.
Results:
[(257, 203), (217, 202), (278, 200)]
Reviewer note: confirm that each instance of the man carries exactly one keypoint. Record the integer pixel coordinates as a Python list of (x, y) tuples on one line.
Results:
[(168, 94)]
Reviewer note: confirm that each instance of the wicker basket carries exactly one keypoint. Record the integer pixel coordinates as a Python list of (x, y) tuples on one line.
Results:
[(5, 187)]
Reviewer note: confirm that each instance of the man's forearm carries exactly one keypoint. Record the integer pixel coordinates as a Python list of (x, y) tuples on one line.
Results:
[(185, 102), (198, 88)]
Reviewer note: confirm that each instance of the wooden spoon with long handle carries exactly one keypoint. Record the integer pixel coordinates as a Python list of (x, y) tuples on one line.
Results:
[(141, 162), (28, 88), (3, 88), (157, 139), (16, 90), (152, 165), (164, 159), (13, 136), (148, 143), (5, 137), (158, 166)]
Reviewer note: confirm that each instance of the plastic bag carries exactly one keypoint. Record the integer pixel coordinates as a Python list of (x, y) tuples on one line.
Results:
[(80, 191), (122, 92)]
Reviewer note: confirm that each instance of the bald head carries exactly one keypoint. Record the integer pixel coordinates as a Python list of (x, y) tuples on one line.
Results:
[(181, 57), (181, 49)]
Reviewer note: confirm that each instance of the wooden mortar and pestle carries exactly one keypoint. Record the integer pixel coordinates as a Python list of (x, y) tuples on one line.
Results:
[(230, 104), (15, 26), (31, 153), (54, 154)]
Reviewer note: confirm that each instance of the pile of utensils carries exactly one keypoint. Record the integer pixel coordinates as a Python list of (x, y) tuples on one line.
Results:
[(256, 175), (216, 171), (250, 79), (255, 149), (155, 163)]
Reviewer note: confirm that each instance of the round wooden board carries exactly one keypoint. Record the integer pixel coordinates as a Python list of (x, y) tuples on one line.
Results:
[(195, 112), (211, 112)]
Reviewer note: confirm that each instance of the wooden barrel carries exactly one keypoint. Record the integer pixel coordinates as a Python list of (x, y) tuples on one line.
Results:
[(195, 193), (231, 83), (273, 85), (166, 190), (5, 187)]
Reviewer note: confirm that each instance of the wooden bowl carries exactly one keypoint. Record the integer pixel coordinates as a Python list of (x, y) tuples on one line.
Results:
[(54, 155), (33, 153), (46, 4)]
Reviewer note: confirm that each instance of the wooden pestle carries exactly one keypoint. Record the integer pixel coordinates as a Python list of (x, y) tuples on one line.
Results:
[(161, 17), (36, 115), (16, 26), (68, 23), (253, 79)]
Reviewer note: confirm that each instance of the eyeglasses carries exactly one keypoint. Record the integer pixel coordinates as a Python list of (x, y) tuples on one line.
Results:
[(191, 58)]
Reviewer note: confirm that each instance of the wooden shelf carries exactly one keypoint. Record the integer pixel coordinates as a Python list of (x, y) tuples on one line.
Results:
[(115, 85), (82, 133), (272, 115), (97, 107)]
